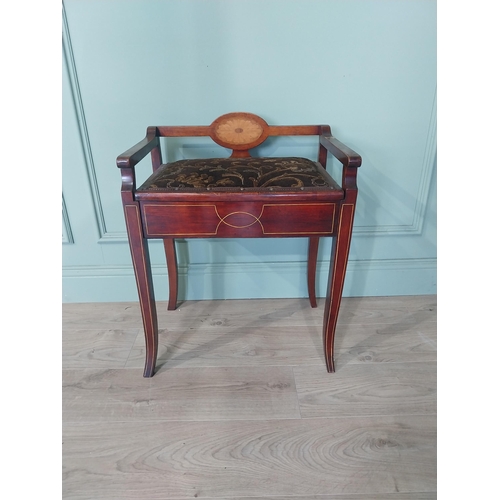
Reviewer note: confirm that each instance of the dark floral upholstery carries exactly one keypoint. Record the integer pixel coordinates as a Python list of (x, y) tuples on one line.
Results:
[(225, 174)]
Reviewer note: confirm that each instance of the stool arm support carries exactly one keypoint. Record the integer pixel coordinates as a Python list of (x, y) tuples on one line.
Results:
[(349, 158), (127, 161), (345, 155), (136, 153)]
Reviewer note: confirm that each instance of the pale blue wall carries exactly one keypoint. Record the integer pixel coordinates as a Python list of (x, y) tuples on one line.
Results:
[(366, 67)]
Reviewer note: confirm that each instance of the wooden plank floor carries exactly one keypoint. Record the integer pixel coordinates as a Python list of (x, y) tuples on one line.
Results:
[(242, 407)]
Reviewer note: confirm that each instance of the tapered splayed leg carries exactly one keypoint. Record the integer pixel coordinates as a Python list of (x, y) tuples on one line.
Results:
[(338, 265), (312, 258), (142, 268), (173, 279)]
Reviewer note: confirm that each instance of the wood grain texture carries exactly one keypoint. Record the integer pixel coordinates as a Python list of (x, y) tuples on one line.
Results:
[(98, 348), (165, 460), (230, 333), (234, 333), (374, 389), (223, 345), (180, 394), (391, 311), (241, 407), (270, 346), (102, 315), (383, 496)]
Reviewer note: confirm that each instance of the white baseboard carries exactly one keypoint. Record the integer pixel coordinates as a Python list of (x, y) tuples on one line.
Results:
[(251, 280)]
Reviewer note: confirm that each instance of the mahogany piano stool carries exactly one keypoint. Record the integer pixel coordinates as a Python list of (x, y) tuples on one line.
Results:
[(239, 197)]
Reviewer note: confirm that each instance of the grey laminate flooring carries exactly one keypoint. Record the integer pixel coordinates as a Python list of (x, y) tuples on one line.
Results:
[(241, 406)]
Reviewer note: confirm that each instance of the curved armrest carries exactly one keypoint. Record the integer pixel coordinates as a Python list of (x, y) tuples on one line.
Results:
[(345, 155), (136, 153), (128, 160)]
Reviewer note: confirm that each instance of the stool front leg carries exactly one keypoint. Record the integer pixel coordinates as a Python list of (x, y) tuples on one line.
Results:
[(338, 265), (142, 269)]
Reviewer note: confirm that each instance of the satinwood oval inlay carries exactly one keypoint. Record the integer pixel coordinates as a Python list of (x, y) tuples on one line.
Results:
[(239, 131)]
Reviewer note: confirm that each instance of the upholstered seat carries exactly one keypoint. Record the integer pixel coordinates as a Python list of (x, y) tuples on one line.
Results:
[(229, 174)]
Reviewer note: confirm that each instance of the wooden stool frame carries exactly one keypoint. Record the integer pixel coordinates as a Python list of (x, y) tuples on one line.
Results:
[(177, 214)]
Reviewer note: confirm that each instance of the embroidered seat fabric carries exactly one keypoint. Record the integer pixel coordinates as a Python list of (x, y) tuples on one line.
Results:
[(227, 174)]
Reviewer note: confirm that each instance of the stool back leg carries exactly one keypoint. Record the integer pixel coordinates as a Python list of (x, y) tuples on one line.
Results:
[(173, 280), (312, 258), (142, 269)]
